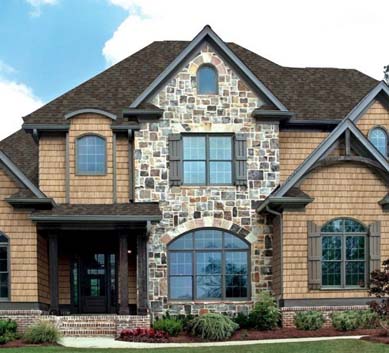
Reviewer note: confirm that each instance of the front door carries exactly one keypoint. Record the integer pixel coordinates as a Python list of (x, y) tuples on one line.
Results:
[(97, 283)]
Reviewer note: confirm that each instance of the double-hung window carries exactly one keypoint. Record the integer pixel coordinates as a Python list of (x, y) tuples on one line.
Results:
[(207, 160)]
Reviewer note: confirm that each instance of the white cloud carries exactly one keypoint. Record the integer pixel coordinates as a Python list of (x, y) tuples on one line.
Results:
[(37, 4), (325, 33), (16, 100)]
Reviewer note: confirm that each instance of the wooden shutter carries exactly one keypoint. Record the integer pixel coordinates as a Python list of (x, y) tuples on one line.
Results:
[(240, 159), (314, 256), (175, 167), (375, 246)]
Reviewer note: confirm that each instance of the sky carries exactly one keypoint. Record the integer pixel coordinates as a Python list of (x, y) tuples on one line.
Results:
[(47, 47)]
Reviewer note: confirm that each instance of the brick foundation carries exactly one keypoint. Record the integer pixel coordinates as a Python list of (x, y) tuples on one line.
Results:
[(78, 325), (288, 314)]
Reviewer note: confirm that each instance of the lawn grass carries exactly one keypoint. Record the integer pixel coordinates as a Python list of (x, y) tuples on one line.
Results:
[(336, 346)]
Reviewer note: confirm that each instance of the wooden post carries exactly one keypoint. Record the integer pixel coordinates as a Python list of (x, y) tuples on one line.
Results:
[(53, 265), (141, 276), (123, 272)]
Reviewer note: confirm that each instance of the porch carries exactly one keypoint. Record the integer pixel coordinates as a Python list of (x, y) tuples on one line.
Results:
[(96, 264)]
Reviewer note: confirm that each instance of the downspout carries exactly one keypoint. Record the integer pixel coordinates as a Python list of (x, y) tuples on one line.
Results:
[(279, 214)]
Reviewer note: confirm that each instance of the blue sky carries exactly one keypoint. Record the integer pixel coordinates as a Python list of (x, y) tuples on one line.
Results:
[(59, 48), (48, 47)]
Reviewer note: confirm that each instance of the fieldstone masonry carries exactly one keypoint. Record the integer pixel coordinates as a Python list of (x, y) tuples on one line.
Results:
[(188, 207)]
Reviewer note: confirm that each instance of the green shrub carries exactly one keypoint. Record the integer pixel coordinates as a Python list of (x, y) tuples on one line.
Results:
[(213, 327), (243, 320), (41, 332), (171, 326), (265, 315), (353, 319), (368, 319), (345, 320), (309, 320), (8, 331)]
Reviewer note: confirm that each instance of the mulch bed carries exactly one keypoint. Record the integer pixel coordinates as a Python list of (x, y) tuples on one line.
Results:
[(243, 335), (381, 337), (19, 343)]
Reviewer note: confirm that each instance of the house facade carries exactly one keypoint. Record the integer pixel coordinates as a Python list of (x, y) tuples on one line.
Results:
[(189, 177)]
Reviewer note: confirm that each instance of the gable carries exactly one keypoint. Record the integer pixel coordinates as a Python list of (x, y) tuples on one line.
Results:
[(233, 91), (209, 36), (376, 115)]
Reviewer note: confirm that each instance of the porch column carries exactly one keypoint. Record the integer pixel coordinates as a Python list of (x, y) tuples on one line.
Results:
[(123, 272), (141, 276), (53, 266)]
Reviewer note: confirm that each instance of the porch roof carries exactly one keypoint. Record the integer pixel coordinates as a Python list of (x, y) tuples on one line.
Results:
[(124, 212)]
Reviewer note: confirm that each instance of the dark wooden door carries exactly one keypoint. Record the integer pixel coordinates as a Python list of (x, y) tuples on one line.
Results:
[(97, 282)]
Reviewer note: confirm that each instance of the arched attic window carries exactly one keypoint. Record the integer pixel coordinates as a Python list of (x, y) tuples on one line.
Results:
[(91, 155), (379, 139), (207, 80)]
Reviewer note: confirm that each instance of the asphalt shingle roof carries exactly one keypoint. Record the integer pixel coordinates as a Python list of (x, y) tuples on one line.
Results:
[(312, 93), (122, 209)]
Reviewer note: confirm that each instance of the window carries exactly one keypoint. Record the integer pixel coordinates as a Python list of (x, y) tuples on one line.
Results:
[(343, 260), (4, 267), (207, 80), (378, 138), (208, 264), (91, 155), (207, 160)]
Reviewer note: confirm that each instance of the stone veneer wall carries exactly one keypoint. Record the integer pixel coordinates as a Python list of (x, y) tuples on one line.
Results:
[(228, 207)]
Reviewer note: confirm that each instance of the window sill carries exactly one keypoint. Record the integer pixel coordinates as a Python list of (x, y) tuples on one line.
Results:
[(347, 289)]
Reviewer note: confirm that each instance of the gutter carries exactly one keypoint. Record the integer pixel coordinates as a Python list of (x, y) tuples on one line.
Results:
[(94, 218), (283, 201), (26, 202), (272, 115)]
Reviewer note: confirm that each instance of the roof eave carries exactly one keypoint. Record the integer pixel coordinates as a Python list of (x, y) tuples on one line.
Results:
[(95, 218), (284, 203), (272, 115)]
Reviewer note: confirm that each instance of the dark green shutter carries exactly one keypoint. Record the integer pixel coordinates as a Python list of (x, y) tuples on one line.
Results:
[(375, 246), (314, 256), (240, 159), (175, 166)]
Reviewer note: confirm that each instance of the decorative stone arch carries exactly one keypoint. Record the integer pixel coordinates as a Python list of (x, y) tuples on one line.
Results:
[(208, 222), (207, 58)]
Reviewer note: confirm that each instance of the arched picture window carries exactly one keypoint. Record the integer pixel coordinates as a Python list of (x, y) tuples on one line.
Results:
[(91, 155), (207, 80), (208, 264), (379, 139), (344, 254), (4, 267)]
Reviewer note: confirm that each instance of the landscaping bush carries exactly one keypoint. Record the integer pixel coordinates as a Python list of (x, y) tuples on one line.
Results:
[(149, 335), (368, 319), (213, 327), (345, 320), (41, 332), (8, 331), (265, 315), (309, 320), (172, 326), (243, 320)]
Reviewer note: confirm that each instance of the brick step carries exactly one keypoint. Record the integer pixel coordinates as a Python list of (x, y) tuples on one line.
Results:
[(89, 333)]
